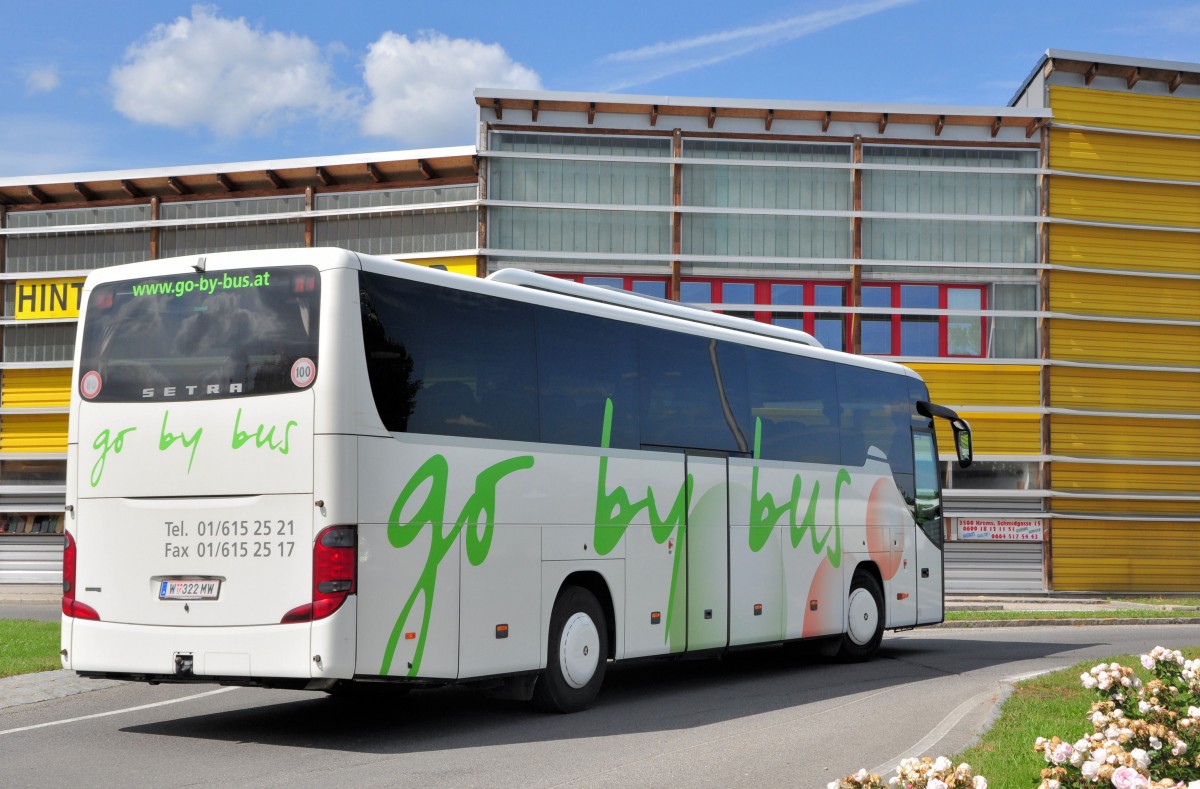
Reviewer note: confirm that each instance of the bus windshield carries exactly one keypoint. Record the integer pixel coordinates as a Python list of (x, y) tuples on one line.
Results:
[(200, 336)]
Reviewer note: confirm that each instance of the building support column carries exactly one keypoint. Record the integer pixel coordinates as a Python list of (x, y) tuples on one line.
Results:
[(309, 224), (154, 229), (676, 216), (854, 297)]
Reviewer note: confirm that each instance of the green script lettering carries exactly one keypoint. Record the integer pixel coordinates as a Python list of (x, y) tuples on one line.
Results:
[(103, 444), (166, 439), (480, 504), (240, 437)]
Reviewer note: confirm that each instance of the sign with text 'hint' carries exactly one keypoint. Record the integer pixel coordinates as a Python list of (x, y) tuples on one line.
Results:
[(37, 299)]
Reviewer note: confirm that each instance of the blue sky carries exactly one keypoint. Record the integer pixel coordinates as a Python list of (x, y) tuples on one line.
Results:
[(91, 86)]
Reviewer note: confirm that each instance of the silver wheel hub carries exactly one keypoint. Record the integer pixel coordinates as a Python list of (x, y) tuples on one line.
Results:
[(863, 616), (579, 650)]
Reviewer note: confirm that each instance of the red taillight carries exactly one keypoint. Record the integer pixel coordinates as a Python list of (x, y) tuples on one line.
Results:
[(70, 606), (335, 570)]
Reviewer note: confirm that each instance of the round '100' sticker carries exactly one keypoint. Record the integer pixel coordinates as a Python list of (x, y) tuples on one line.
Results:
[(303, 372), (89, 384)]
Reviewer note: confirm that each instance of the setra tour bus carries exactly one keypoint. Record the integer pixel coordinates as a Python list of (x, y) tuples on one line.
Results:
[(310, 468)]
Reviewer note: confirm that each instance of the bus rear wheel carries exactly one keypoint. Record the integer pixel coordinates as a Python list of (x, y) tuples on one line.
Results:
[(864, 619), (577, 654)]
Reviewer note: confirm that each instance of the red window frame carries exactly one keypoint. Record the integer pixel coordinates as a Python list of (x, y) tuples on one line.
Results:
[(943, 321)]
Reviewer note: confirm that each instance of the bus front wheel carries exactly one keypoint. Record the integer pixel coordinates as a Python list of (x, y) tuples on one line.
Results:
[(864, 618), (577, 654)]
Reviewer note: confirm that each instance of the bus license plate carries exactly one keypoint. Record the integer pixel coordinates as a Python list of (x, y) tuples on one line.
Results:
[(185, 589)]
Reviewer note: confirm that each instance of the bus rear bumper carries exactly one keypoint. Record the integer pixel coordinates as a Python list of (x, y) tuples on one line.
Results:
[(305, 653)]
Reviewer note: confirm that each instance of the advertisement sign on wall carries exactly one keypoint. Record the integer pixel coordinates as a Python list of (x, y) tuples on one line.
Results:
[(1011, 529)]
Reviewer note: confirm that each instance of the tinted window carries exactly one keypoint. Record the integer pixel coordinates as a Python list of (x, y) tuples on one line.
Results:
[(202, 335), (684, 403), (794, 400), (450, 362), (874, 408), (583, 362)]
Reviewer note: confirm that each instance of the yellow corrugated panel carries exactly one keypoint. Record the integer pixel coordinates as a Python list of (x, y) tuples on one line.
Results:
[(1116, 556), (1123, 248), (1124, 437), (1123, 155), (1111, 294), (1109, 477), (1135, 111), (33, 433), (35, 389), (1132, 507), (982, 384), (997, 434), (1175, 205), (1124, 343), (1127, 390)]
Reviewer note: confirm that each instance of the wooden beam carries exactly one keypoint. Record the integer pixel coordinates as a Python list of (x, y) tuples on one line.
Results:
[(426, 171), (1090, 74), (496, 108), (996, 126), (1033, 126), (224, 181), (1175, 81), (375, 173), (937, 127), (653, 114), (770, 119), (1134, 77), (712, 117), (177, 186), (591, 113), (129, 188), (828, 120), (37, 194), (84, 193), (883, 122), (5, 200), (274, 178), (475, 163), (536, 107), (323, 176)]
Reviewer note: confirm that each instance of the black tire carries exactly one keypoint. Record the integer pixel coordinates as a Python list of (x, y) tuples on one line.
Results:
[(577, 655), (865, 616)]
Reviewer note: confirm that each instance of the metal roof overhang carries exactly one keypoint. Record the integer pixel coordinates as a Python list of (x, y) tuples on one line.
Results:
[(656, 107), (243, 179)]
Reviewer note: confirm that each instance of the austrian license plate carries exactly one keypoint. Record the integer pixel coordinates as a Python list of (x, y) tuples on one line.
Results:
[(189, 589)]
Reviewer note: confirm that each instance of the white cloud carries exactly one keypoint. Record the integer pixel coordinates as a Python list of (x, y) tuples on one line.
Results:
[(648, 63), (421, 90), (208, 71), (41, 80)]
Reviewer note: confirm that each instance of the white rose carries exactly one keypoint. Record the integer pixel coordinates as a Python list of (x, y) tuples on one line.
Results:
[(1179, 748), (935, 783), (1141, 757), (1156, 743), (941, 764), (1148, 662), (1128, 778), (979, 783)]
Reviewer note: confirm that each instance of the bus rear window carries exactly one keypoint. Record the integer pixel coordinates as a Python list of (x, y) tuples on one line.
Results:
[(201, 336)]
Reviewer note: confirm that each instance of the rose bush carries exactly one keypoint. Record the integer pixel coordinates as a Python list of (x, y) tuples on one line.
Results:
[(1144, 736), (926, 773)]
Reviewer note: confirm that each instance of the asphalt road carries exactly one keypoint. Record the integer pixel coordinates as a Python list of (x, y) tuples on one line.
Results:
[(751, 719), (38, 612)]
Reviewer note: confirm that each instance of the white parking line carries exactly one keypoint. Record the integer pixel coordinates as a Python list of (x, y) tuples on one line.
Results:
[(118, 712)]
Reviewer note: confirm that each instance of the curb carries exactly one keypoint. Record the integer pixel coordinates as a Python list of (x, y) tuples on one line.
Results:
[(1081, 622)]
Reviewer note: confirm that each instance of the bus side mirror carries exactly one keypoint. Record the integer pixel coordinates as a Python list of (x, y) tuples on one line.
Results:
[(962, 441), (962, 430)]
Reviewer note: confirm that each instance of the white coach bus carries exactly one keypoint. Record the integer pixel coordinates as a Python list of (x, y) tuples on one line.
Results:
[(316, 469)]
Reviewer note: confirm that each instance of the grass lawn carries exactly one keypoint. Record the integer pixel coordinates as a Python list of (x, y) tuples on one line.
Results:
[(26, 647), (1054, 704)]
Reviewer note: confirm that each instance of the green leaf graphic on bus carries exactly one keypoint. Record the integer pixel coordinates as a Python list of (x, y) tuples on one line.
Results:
[(432, 514), (764, 514), (615, 511)]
